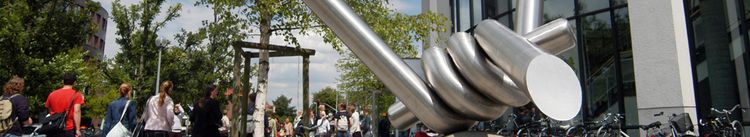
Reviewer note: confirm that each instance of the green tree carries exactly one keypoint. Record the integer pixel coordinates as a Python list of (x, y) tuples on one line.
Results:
[(41, 40), (283, 110), (327, 96), (136, 33)]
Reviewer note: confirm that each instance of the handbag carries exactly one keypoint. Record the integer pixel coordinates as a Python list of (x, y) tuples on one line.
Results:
[(119, 130), (55, 123)]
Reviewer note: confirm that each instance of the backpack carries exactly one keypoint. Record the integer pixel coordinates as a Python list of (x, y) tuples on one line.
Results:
[(343, 123), (6, 108)]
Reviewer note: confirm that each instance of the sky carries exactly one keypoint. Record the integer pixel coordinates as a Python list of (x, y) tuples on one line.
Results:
[(285, 73)]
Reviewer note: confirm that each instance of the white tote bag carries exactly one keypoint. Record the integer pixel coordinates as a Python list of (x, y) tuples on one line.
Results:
[(119, 130)]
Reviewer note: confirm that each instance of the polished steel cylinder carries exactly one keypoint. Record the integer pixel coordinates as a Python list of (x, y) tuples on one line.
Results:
[(472, 64), (387, 66), (529, 16), (401, 118), (554, 37), (550, 82), (454, 90)]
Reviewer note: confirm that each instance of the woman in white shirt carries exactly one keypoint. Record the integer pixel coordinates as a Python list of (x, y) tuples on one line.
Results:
[(159, 114)]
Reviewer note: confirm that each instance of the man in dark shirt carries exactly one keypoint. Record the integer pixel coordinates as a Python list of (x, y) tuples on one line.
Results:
[(384, 126)]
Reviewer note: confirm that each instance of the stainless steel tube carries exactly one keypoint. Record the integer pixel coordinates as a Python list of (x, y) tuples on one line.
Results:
[(554, 37), (401, 118), (473, 65), (388, 67), (530, 13), (452, 88), (549, 81)]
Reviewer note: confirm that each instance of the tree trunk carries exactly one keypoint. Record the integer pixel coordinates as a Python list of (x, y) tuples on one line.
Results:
[(260, 102), (305, 91), (236, 111)]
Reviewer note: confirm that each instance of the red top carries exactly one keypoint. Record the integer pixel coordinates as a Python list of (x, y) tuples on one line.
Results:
[(59, 100), (421, 134)]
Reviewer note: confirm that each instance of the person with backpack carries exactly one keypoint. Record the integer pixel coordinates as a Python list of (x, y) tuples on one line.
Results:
[(159, 112), (365, 124), (342, 121), (117, 108), (19, 106), (66, 100)]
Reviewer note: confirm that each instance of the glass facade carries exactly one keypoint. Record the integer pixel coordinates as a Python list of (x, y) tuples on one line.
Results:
[(718, 36), (602, 57)]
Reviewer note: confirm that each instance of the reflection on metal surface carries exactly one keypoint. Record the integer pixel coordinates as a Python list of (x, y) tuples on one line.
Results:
[(529, 15), (452, 88), (472, 64), (549, 81), (514, 70), (554, 37), (400, 117)]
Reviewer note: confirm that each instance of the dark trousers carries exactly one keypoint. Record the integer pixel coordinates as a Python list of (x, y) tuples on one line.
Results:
[(152, 133), (67, 133), (357, 134)]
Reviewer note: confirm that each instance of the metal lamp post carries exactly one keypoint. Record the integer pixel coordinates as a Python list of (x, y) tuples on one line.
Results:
[(160, 44)]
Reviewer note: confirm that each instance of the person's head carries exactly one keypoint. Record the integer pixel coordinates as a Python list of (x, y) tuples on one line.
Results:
[(210, 91), (365, 111), (69, 79), (286, 120), (166, 87), (14, 86), (342, 106), (125, 90), (299, 113), (352, 107), (322, 107)]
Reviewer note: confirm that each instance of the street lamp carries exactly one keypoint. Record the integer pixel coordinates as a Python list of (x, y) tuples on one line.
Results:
[(161, 44)]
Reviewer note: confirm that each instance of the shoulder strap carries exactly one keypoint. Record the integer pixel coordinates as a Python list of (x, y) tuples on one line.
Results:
[(14, 95), (124, 110), (75, 95)]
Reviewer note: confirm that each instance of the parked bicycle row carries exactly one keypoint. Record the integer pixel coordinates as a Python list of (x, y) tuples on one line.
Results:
[(719, 124)]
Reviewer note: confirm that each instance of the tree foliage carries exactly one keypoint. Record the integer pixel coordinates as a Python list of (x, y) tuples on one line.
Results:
[(42, 40), (283, 110), (397, 30)]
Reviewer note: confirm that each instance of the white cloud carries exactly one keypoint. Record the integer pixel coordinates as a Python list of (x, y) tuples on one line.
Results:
[(410, 7)]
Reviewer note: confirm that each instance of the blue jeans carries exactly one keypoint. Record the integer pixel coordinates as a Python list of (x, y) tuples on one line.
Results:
[(341, 134)]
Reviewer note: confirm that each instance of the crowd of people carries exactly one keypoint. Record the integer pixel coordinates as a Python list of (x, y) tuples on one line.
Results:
[(161, 116)]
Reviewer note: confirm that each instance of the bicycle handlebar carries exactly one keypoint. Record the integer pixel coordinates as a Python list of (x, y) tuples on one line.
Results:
[(724, 111)]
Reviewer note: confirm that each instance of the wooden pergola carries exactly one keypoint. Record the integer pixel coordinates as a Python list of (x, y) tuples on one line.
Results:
[(274, 51)]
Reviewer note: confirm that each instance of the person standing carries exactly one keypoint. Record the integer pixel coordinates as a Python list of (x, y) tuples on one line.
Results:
[(365, 125), (117, 108), (159, 112), (323, 125), (288, 127), (177, 125), (60, 101), (207, 114), (342, 121), (355, 130), (13, 91), (384, 126)]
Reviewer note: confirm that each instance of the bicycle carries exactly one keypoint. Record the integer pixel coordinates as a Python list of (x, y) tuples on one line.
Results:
[(723, 125), (679, 125), (611, 126), (509, 126)]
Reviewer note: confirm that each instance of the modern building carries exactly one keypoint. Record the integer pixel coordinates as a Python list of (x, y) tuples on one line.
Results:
[(640, 57), (95, 42)]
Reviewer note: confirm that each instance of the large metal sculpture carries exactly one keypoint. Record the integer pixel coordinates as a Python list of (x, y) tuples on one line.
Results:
[(473, 78)]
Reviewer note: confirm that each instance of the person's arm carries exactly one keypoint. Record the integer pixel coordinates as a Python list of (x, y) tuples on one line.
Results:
[(170, 113), (131, 115), (77, 118), (108, 118), (23, 110)]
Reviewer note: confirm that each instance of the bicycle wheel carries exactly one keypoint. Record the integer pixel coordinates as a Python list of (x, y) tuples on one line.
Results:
[(737, 129)]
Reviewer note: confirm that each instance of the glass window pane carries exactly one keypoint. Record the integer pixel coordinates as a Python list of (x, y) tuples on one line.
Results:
[(554, 9), (592, 5), (477, 16), (600, 51), (464, 15)]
